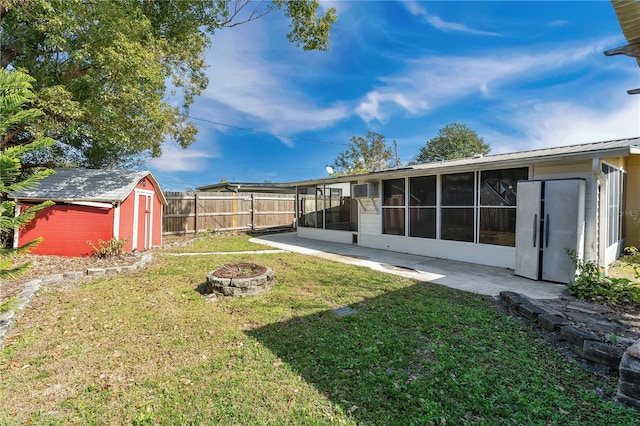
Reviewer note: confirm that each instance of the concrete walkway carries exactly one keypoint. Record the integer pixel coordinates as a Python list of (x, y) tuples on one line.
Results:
[(459, 275)]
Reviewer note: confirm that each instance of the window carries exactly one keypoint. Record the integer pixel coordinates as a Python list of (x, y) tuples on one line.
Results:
[(327, 206), (474, 207), (498, 200), (615, 199), (337, 210), (310, 209), (457, 212), (393, 207), (422, 207)]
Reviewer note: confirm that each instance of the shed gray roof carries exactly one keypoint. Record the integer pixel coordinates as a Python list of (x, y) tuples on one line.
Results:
[(580, 152), (99, 185)]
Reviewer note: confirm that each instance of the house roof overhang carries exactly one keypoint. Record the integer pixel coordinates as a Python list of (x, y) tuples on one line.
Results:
[(249, 187), (557, 155), (628, 14)]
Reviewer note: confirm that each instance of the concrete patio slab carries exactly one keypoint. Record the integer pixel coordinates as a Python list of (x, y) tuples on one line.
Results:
[(469, 277)]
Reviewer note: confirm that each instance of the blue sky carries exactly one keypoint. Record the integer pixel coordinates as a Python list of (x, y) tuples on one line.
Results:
[(523, 75)]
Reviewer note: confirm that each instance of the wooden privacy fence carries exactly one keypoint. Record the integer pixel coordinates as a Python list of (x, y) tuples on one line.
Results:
[(189, 212)]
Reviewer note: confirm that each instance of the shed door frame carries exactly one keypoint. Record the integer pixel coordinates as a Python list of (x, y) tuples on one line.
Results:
[(147, 226)]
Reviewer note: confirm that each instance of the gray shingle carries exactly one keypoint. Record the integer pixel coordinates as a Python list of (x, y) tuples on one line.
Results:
[(84, 185)]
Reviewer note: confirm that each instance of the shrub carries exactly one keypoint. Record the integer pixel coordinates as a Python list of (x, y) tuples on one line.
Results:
[(591, 284), (111, 248)]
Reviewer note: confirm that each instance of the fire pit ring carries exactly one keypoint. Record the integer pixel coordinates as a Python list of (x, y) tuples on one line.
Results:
[(240, 279)]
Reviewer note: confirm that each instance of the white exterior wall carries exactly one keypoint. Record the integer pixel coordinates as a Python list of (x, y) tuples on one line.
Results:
[(578, 170), (369, 219), (370, 226), (483, 254), (345, 237)]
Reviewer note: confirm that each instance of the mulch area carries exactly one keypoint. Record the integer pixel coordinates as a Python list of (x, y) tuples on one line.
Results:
[(42, 266)]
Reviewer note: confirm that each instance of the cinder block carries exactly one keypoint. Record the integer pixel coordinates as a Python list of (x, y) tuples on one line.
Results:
[(631, 402), (576, 337), (514, 300), (52, 278), (634, 350), (602, 353), (629, 369), (505, 296), (95, 272), (631, 390), (552, 322), (73, 275), (530, 311)]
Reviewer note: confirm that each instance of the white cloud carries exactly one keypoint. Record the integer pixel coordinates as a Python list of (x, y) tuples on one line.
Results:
[(548, 124), (248, 81), (438, 23), (369, 109), (558, 23), (176, 159), (432, 81)]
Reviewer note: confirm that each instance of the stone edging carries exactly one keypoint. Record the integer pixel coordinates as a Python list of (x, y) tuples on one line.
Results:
[(30, 289), (586, 345)]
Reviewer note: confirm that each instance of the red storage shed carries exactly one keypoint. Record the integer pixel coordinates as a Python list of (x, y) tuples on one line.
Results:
[(93, 205)]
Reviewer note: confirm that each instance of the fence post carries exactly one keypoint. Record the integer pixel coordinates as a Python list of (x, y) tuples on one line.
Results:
[(195, 211), (253, 211)]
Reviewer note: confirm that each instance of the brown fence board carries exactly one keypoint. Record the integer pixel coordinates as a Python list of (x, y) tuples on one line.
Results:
[(222, 211)]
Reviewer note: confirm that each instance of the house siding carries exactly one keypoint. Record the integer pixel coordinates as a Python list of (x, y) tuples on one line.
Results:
[(571, 162), (126, 221), (632, 210), (66, 229)]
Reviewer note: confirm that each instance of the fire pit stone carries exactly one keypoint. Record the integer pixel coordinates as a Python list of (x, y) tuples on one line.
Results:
[(240, 279)]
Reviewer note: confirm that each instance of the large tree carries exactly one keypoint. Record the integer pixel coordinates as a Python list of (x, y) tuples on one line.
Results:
[(116, 78), (15, 113), (453, 141), (364, 154)]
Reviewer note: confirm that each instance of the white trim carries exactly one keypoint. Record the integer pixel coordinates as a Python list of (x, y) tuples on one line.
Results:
[(147, 226), (116, 221), (151, 203), (92, 204), (134, 231)]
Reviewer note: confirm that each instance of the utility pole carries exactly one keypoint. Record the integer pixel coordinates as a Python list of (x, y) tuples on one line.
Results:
[(395, 146)]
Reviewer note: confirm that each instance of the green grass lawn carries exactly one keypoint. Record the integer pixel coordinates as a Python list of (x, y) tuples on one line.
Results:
[(147, 348), (219, 243)]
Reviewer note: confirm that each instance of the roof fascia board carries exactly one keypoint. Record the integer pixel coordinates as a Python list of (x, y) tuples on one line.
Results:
[(76, 201), (479, 164)]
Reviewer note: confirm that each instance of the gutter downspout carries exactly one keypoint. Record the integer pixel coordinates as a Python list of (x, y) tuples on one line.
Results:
[(596, 169)]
